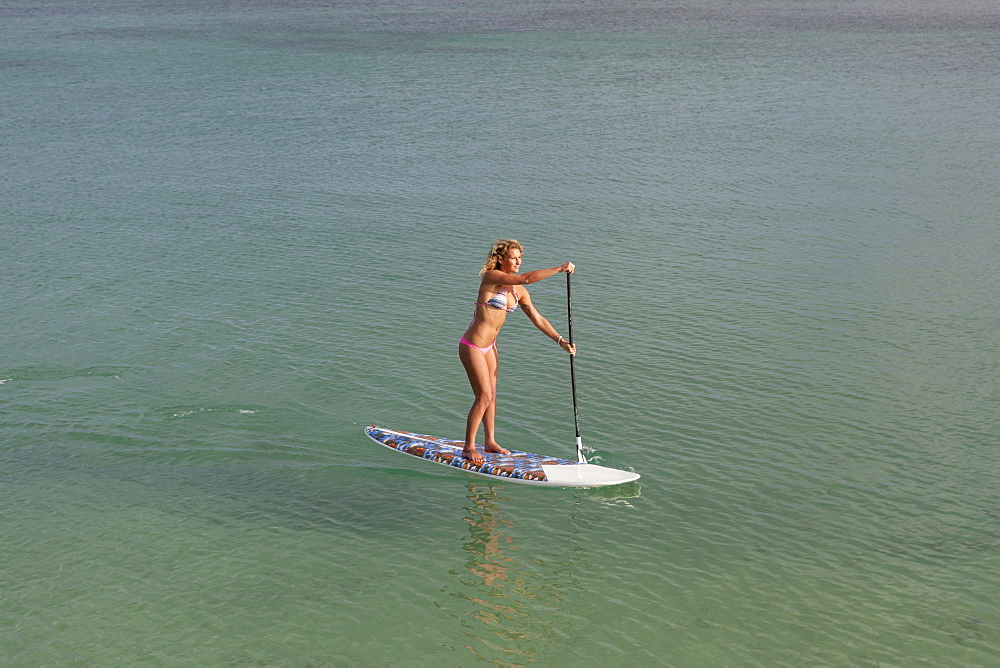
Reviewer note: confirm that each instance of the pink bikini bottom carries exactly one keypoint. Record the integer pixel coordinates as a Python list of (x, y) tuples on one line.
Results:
[(482, 350)]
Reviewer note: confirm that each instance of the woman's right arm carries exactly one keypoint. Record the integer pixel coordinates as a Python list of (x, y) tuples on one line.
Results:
[(527, 278)]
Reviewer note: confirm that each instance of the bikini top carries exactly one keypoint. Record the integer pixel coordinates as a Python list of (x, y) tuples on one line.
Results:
[(499, 300)]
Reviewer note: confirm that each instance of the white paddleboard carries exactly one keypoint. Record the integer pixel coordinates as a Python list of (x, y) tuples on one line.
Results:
[(520, 467)]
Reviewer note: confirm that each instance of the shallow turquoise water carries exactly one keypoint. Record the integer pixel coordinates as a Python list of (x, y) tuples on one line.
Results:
[(233, 236)]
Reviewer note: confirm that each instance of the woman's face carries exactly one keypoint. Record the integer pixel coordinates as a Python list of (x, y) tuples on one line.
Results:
[(511, 262)]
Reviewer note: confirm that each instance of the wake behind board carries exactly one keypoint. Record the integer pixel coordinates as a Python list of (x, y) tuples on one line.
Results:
[(521, 467)]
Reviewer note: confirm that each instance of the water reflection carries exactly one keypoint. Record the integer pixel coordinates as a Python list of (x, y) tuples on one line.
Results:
[(516, 608), (499, 623), (488, 540)]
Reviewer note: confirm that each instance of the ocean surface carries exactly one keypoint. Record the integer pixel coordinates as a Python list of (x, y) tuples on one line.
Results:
[(234, 233)]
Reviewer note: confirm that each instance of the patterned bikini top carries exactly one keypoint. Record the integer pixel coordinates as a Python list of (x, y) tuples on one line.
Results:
[(499, 300)]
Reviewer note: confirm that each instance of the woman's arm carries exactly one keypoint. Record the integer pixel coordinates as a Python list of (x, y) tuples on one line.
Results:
[(497, 277), (541, 323)]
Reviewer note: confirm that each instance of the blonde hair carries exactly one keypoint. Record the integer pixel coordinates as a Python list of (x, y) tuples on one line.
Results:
[(498, 252)]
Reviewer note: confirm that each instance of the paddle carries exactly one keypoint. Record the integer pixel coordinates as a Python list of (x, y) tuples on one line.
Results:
[(572, 373)]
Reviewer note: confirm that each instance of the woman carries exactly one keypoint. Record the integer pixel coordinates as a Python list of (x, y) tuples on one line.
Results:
[(501, 292)]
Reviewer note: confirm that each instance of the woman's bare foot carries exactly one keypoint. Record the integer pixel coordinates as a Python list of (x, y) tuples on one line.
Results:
[(494, 448), (472, 455)]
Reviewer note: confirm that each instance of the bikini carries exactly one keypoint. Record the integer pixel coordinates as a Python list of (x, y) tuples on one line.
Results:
[(497, 301)]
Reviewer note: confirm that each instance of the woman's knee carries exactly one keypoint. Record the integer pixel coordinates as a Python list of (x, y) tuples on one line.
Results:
[(486, 396)]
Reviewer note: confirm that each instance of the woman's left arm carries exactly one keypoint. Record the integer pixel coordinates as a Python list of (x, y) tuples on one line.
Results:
[(541, 323)]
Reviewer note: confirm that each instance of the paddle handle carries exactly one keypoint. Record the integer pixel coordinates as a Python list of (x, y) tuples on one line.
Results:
[(572, 370)]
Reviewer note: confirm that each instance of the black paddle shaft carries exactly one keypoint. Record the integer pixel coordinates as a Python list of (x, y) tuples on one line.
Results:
[(572, 369)]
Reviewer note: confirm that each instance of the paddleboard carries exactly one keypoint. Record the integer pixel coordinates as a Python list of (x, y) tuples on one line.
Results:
[(520, 467)]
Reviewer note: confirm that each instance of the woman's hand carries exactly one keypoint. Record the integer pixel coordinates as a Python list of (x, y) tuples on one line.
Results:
[(567, 268), (567, 346)]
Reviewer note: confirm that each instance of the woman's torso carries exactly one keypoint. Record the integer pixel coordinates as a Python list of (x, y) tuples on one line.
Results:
[(492, 307)]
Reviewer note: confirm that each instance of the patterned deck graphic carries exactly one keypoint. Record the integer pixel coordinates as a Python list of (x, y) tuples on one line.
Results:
[(517, 464)]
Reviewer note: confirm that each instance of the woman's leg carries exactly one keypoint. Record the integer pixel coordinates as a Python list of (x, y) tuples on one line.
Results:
[(489, 420), (481, 374)]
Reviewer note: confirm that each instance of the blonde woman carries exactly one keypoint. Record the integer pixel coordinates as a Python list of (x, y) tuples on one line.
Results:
[(501, 291)]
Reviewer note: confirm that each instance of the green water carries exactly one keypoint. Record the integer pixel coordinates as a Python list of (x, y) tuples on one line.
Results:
[(233, 234)]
